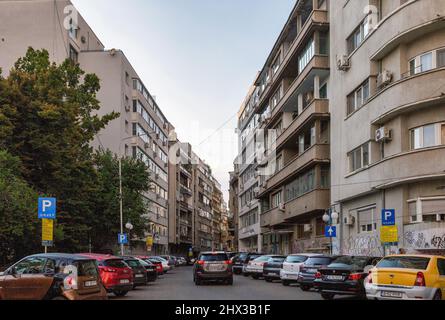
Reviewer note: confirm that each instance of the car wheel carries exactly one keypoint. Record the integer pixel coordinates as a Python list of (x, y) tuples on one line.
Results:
[(305, 288), (438, 295), (120, 293), (268, 279), (255, 277), (230, 282), (286, 283), (327, 296), (198, 282)]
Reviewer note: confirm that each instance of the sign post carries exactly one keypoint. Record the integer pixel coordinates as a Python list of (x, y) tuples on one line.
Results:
[(47, 213), (389, 233)]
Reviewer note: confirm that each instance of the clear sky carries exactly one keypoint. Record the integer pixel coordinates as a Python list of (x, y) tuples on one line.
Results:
[(197, 57)]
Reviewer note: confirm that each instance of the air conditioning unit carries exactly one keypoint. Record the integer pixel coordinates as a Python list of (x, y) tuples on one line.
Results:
[(282, 207), (127, 108), (344, 63), (382, 134), (349, 220), (384, 78), (307, 228)]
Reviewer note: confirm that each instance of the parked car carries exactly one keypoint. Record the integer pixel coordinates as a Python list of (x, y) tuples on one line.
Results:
[(309, 270), (344, 276), (213, 266), (116, 275), (139, 272), (407, 277), (52, 277), (238, 262), (255, 267), (250, 257), (150, 269), (291, 267), (171, 261), (165, 265), (182, 261), (272, 268)]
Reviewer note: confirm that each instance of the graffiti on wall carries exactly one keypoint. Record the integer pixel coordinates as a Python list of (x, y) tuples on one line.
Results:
[(318, 244), (366, 244), (424, 240)]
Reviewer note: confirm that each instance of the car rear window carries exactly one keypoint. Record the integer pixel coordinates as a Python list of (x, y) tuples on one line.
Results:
[(86, 268), (296, 259), (214, 257), (318, 261), (115, 263), (417, 263), (263, 258), (133, 263), (355, 262)]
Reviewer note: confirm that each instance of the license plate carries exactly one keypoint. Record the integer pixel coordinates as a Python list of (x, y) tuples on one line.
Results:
[(337, 278), (312, 270), (90, 283), (216, 267), (391, 294), (139, 276), (125, 281)]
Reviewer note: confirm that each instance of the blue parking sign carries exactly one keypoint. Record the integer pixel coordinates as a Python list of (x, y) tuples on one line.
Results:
[(47, 208), (331, 232), (388, 217), (122, 238)]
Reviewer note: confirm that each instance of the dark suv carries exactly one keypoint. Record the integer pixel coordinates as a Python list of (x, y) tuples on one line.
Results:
[(213, 266)]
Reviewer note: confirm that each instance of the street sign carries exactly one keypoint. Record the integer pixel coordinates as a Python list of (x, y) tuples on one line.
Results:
[(47, 232), (389, 234), (149, 241), (331, 232), (47, 208), (122, 238), (388, 217)]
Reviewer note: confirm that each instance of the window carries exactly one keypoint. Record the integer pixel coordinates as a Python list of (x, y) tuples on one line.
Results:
[(416, 263), (324, 91), (367, 220), (30, 266), (74, 55), (306, 140), (325, 181), (358, 98), (306, 56), (276, 97), (441, 58), (73, 31), (428, 136), (426, 62), (276, 64), (359, 34), (300, 186), (324, 43), (359, 157), (441, 266), (276, 200), (319, 227)]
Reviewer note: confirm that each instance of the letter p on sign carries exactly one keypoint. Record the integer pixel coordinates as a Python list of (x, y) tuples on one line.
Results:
[(388, 217), (47, 208)]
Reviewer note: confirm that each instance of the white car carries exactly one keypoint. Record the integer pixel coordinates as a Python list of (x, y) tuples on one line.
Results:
[(291, 267), (255, 267), (165, 266)]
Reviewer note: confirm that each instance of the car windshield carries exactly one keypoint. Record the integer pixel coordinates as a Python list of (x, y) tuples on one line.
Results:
[(318, 261), (213, 257), (133, 263), (115, 263), (296, 259), (277, 259), (348, 261), (417, 263), (263, 259), (86, 268)]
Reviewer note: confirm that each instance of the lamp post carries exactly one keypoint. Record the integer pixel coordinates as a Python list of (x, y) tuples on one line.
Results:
[(129, 227), (329, 217)]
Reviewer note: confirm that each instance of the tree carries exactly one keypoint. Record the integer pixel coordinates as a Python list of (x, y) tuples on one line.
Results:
[(49, 116), (135, 181), (19, 226)]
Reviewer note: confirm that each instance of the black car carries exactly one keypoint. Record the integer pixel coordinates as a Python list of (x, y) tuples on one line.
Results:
[(150, 268), (213, 266), (272, 268), (249, 257), (139, 272), (238, 262), (309, 269), (344, 276)]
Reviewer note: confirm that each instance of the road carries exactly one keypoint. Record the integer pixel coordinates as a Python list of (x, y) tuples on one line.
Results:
[(178, 285)]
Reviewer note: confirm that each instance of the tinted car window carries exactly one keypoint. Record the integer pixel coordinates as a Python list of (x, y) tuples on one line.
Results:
[(254, 256), (418, 263), (115, 263), (213, 257), (133, 263), (318, 261), (86, 268), (277, 259), (31, 265), (296, 259), (262, 259), (441, 266), (355, 262)]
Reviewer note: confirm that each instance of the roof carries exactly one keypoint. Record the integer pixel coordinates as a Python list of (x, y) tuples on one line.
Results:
[(415, 255), (62, 256), (99, 257)]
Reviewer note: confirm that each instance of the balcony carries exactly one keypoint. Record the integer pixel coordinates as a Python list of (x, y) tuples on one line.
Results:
[(272, 218), (316, 108), (408, 22), (185, 190), (317, 200), (316, 153), (186, 239)]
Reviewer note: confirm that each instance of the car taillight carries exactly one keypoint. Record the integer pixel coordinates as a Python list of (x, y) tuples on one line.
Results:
[(201, 262), (111, 270), (370, 277), (355, 276), (318, 275), (228, 262), (420, 280)]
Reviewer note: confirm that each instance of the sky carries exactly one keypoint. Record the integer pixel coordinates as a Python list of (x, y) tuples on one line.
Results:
[(197, 57)]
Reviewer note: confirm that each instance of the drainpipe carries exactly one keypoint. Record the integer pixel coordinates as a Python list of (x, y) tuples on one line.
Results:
[(383, 207)]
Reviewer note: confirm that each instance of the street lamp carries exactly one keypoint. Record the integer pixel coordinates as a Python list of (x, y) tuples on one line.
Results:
[(329, 217), (129, 227), (120, 185)]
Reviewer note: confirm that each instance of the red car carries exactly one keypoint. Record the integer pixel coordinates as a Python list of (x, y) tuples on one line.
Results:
[(116, 275), (158, 264)]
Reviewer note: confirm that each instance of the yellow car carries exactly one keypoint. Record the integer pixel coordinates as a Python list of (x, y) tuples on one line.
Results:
[(407, 277)]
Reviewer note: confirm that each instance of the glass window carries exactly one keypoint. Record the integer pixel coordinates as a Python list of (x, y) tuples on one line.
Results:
[(86, 268), (441, 58), (416, 263), (429, 136), (214, 257), (426, 62), (412, 67), (296, 259), (115, 263), (441, 266), (31, 265)]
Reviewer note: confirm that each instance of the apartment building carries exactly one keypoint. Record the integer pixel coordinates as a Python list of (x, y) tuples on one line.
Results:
[(387, 97), (141, 130), (284, 189), (217, 211), (233, 207)]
